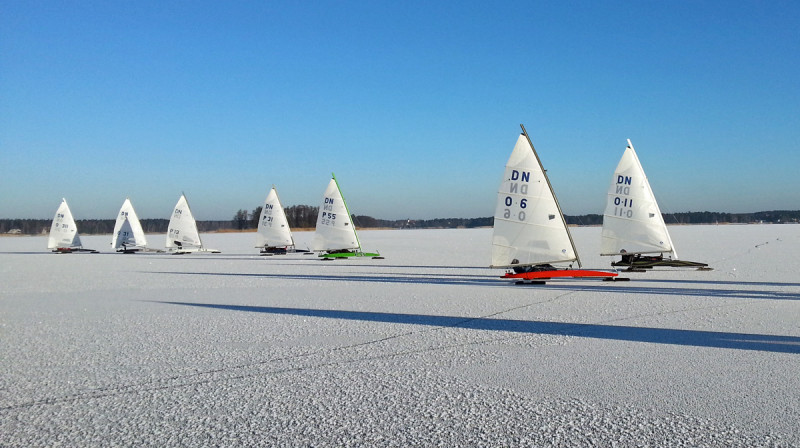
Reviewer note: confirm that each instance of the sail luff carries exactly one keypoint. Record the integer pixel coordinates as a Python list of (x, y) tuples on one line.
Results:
[(655, 203), (558, 206), (283, 212), (349, 216), (188, 207)]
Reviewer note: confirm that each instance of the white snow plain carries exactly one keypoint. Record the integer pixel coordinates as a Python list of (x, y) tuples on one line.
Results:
[(427, 347)]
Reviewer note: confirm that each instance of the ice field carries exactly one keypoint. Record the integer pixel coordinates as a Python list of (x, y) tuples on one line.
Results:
[(426, 347)]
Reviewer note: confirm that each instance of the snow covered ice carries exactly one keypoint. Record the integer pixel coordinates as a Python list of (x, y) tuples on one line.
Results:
[(427, 347)]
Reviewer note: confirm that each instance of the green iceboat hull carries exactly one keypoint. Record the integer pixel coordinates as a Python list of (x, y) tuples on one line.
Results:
[(350, 255)]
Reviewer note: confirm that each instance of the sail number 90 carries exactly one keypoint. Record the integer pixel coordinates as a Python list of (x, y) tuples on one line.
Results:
[(522, 204)]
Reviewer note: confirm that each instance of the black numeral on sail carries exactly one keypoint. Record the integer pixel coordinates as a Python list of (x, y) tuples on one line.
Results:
[(519, 185), (328, 219), (623, 205), (522, 204)]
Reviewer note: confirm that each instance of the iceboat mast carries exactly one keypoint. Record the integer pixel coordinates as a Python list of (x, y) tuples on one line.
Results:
[(195, 220), (655, 202), (558, 206), (280, 204), (349, 216)]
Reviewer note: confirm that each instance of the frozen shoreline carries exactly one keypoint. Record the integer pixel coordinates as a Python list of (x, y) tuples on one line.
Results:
[(425, 347)]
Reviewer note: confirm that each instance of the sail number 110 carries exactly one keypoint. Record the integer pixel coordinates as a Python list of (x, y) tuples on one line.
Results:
[(620, 203)]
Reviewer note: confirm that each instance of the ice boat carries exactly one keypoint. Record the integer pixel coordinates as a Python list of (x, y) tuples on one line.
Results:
[(633, 226), (335, 235), (182, 235), (64, 237), (274, 237), (530, 237), (128, 236)]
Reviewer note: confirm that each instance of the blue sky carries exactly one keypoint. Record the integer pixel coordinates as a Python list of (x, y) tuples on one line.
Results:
[(414, 105)]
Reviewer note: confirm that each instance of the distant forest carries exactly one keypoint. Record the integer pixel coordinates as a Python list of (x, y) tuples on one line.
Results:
[(305, 217)]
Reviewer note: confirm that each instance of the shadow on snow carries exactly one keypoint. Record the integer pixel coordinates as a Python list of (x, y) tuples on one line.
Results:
[(496, 281), (437, 279), (694, 338)]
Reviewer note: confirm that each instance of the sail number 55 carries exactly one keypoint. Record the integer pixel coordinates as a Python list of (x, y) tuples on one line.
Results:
[(328, 219)]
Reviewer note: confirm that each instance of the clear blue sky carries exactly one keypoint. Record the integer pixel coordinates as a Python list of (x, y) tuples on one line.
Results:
[(414, 105)]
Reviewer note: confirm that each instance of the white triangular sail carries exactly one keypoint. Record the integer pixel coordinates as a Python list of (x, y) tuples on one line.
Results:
[(182, 233), (632, 221), (63, 232), (273, 227), (529, 228), (335, 230), (124, 236), (128, 230)]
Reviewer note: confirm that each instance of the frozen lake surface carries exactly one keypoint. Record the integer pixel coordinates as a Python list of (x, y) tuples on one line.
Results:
[(426, 347)]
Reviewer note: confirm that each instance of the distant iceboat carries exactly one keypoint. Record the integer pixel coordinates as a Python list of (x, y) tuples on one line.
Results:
[(128, 236), (182, 235), (633, 226), (530, 236), (64, 237), (335, 235), (274, 237)]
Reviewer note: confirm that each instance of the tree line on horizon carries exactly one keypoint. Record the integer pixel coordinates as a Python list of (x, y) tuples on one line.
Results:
[(305, 217)]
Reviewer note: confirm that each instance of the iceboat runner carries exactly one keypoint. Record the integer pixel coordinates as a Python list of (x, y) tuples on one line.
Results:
[(633, 226), (182, 235), (64, 237), (274, 237), (128, 236), (531, 238), (335, 235)]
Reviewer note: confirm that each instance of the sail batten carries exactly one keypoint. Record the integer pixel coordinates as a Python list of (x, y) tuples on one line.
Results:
[(632, 220)]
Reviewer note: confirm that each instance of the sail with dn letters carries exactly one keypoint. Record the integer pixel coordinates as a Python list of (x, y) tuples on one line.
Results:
[(182, 234), (633, 226), (335, 235), (530, 236)]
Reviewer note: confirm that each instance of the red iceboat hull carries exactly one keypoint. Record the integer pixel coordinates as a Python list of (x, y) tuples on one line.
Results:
[(575, 273)]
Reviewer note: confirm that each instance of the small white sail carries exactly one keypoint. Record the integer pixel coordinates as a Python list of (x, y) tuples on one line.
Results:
[(273, 227), (63, 232), (128, 230), (529, 228), (632, 221), (334, 229), (182, 233)]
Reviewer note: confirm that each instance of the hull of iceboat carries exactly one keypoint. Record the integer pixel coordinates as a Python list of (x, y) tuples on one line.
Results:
[(73, 250), (644, 264), (560, 273), (195, 251), (345, 255)]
